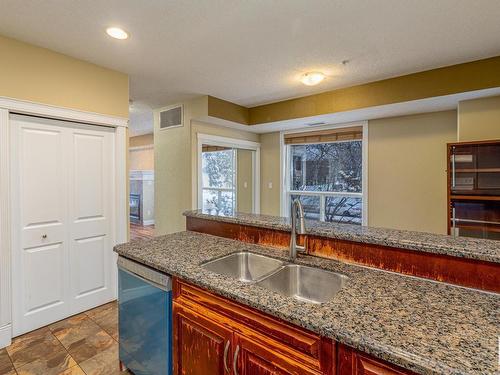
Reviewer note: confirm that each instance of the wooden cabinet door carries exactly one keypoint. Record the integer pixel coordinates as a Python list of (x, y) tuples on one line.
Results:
[(254, 358), (200, 346), (352, 362)]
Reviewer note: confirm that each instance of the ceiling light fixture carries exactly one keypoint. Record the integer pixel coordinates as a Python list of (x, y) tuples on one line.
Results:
[(312, 78), (117, 33)]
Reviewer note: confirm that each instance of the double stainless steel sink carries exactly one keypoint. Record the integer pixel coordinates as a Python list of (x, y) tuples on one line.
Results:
[(303, 283)]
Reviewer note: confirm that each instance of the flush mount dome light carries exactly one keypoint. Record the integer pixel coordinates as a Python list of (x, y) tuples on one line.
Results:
[(117, 33), (312, 78)]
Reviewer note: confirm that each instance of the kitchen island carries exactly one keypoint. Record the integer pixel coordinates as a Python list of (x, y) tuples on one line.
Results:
[(417, 325)]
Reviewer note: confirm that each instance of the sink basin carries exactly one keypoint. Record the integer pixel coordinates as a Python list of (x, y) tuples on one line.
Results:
[(305, 283), (244, 266)]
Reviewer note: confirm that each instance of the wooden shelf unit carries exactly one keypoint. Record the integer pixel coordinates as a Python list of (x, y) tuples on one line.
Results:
[(474, 189)]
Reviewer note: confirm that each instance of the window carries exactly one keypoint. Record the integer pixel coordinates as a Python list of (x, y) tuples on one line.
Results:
[(219, 180), (325, 172)]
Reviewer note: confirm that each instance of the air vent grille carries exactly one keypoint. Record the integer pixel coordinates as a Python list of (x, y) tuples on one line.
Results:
[(171, 118)]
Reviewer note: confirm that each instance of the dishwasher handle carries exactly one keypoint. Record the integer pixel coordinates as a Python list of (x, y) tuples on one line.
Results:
[(145, 273)]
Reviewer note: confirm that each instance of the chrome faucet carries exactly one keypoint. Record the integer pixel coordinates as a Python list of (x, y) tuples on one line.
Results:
[(297, 210)]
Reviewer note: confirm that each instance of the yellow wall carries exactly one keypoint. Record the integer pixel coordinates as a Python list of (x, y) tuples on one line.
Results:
[(270, 173), (142, 158), (172, 148), (479, 119), (141, 140), (39, 75), (244, 175), (407, 171)]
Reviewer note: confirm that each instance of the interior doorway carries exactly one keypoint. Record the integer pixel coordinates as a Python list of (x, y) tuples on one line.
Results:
[(141, 188)]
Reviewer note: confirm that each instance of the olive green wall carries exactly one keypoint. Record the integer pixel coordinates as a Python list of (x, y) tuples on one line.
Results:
[(173, 153), (244, 194), (407, 171), (479, 119), (270, 197)]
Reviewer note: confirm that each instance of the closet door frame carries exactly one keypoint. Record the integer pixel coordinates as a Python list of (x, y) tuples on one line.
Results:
[(119, 217)]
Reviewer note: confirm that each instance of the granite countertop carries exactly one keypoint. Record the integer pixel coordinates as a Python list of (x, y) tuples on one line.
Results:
[(424, 326), (472, 248)]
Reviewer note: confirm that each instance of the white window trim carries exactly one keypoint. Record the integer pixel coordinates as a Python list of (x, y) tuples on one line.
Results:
[(284, 160), (120, 209), (215, 140)]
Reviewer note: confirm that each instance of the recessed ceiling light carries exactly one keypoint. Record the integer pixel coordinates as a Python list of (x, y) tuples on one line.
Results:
[(117, 33), (312, 78)]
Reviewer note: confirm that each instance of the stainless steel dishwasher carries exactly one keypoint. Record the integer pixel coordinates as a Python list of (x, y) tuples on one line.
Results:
[(145, 319)]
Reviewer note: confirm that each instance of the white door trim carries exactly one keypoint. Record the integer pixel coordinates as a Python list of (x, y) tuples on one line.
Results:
[(5, 244), (60, 113), (120, 209), (215, 140)]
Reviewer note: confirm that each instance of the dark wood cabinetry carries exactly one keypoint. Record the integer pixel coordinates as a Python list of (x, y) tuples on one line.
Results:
[(474, 189), (215, 336), (202, 345)]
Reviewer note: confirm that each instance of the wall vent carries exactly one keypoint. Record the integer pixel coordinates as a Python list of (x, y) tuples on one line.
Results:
[(316, 123), (171, 118)]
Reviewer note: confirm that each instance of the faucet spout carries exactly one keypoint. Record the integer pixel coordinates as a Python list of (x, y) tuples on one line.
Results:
[(297, 211)]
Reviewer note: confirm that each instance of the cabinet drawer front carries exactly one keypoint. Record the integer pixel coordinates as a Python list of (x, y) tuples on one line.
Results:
[(252, 323), (257, 359), (353, 362)]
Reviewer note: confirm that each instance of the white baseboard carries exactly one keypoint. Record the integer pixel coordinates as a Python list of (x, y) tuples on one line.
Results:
[(5, 336), (148, 222)]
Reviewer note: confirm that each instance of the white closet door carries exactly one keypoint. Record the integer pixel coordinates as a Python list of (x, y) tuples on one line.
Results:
[(90, 211), (62, 202)]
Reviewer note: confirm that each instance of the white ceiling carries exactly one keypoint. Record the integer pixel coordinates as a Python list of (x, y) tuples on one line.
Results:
[(252, 52), (140, 119)]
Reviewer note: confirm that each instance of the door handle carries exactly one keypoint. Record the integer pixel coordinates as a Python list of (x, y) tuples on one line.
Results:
[(226, 350), (235, 360)]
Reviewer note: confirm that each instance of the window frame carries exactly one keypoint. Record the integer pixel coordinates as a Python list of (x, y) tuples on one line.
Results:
[(285, 172), (219, 190), (215, 140)]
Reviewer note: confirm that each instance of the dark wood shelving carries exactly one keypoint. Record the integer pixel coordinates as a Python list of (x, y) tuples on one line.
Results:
[(474, 202), (477, 170), (476, 197)]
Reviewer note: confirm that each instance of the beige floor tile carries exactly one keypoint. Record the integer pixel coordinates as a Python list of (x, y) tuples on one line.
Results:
[(72, 321), (104, 363), (103, 310), (29, 339), (6, 366), (84, 344), (25, 350), (91, 346), (82, 337), (75, 370), (108, 321), (73, 330), (53, 364)]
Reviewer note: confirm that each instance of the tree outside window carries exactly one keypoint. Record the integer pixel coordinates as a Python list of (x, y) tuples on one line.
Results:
[(218, 181), (327, 178)]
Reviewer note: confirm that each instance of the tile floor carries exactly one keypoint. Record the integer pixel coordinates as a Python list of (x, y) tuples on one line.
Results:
[(139, 232), (84, 344)]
